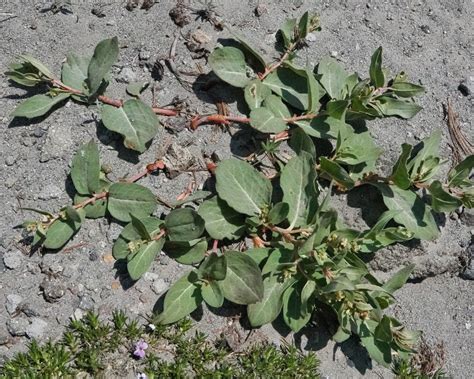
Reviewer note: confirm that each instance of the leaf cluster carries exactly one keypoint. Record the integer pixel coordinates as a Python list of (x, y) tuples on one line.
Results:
[(85, 80)]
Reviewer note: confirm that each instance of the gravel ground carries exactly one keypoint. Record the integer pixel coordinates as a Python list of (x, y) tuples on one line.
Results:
[(430, 40)]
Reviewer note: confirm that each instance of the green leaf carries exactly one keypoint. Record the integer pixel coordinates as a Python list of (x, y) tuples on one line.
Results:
[(276, 106), (414, 214), (105, 55), (214, 267), (143, 258), (60, 232), (74, 73), (442, 201), (313, 91), (467, 198), (140, 228), (135, 89), (333, 77), (212, 294), (183, 225), (300, 141), (278, 213), (259, 254), (243, 187), (38, 65), (420, 165), (358, 148), (228, 63), (458, 175), (400, 175), (397, 107), (97, 209), (287, 32), (247, 47), (38, 105), (337, 109), (243, 283), (267, 309), (23, 76), (134, 120), (296, 316), (127, 198), (298, 182), (120, 249), (377, 77), (304, 25), (182, 298), (221, 221), (186, 253), (379, 351), (404, 89), (278, 257), (72, 214), (336, 172), (290, 86), (399, 279), (322, 127), (255, 92), (85, 169), (265, 121), (383, 330)]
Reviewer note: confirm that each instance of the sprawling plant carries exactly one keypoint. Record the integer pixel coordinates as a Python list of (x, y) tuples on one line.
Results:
[(268, 237)]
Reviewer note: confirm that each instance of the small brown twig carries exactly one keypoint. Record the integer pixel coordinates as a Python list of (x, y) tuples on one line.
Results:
[(460, 144)]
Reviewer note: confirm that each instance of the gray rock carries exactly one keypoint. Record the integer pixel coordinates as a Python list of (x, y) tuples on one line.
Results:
[(17, 326), (11, 159), (144, 54), (94, 255), (49, 192), (127, 75), (150, 276), (311, 37), (78, 314), (53, 290), (12, 259), (13, 301), (159, 286), (49, 265), (38, 133), (426, 29), (466, 87), (37, 328), (260, 10), (87, 303)]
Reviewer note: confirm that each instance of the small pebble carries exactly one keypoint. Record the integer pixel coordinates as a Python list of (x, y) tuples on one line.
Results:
[(311, 37), (127, 75), (159, 286), (13, 301), (425, 29), (17, 326), (12, 259), (144, 55), (36, 329), (150, 276), (260, 10), (10, 160)]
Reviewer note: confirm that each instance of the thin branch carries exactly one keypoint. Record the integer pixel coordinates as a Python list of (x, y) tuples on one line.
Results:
[(107, 100)]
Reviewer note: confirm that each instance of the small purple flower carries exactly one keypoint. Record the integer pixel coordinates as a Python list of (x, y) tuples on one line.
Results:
[(140, 348)]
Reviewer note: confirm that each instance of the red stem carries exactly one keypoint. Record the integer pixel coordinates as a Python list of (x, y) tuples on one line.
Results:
[(107, 100), (217, 119)]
